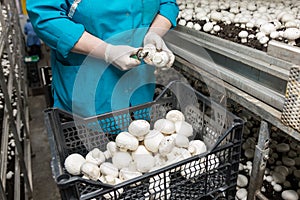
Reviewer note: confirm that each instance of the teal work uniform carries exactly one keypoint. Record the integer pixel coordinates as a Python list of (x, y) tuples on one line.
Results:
[(88, 86)]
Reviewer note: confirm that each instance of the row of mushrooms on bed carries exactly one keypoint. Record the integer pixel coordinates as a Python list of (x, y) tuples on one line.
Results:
[(141, 150), (270, 19)]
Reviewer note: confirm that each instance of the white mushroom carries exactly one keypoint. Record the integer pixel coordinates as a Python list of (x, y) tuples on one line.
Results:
[(208, 27), (166, 145), (289, 195), (181, 140), (143, 159), (175, 115), (197, 147), (125, 141), (111, 148), (161, 59), (114, 194), (90, 170), (73, 163), (165, 126), (127, 174), (243, 35), (95, 156), (108, 168), (152, 140), (291, 34), (267, 28), (184, 128), (139, 128), (121, 159)]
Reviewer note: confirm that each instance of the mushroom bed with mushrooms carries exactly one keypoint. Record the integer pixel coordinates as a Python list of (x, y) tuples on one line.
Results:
[(262, 20), (142, 150)]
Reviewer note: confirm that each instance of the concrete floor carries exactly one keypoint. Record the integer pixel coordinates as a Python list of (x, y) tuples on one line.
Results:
[(44, 186)]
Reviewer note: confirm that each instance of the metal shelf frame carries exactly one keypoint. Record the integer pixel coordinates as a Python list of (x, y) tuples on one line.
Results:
[(250, 77), (11, 43)]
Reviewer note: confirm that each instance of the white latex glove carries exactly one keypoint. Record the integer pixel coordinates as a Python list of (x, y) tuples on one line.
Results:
[(154, 39), (120, 56)]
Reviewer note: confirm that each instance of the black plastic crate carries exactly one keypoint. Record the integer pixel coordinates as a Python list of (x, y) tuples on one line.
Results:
[(218, 128)]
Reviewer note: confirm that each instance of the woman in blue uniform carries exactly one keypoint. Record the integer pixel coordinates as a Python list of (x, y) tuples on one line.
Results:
[(92, 43)]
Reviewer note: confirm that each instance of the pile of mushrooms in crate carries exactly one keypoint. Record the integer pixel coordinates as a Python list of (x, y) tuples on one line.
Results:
[(141, 150), (252, 23)]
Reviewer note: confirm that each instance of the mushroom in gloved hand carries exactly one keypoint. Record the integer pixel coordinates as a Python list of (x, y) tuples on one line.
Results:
[(95, 156), (73, 163)]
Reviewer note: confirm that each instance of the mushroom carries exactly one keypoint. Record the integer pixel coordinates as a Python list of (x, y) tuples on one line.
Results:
[(127, 174), (181, 140), (243, 35), (175, 115), (73, 163), (197, 147), (108, 168), (289, 195), (125, 141), (267, 28), (184, 128), (95, 156), (139, 128), (166, 145), (165, 126), (111, 148), (152, 140), (291, 34), (121, 159), (143, 159), (90, 170), (161, 59), (208, 27), (114, 194)]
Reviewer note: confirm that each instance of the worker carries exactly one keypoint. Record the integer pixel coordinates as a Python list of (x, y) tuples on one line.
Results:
[(33, 42), (93, 43)]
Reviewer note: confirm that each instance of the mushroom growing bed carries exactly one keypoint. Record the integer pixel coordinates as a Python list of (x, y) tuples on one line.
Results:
[(251, 23)]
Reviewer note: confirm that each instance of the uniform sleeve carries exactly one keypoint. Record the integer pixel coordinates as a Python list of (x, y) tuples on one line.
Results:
[(51, 23), (170, 10)]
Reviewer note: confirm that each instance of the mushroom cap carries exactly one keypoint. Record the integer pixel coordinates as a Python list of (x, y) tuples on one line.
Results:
[(165, 126), (197, 147), (125, 140), (121, 159), (175, 115), (144, 163), (139, 127), (152, 140), (90, 170), (161, 59), (73, 163), (126, 174), (181, 140), (140, 152), (166, 145), (108, 168), (243, 34), (291, 33), (184, 128), (267, 28), (95, 156)]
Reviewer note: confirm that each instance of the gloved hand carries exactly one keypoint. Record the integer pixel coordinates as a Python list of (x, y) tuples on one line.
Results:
[(120, 56), (154, 39)]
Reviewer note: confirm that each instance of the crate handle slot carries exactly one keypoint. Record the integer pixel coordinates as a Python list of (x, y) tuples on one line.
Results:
[(65, 180)]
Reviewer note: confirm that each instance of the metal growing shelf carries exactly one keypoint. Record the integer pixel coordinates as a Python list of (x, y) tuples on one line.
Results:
[(255, 79), (15, 122)]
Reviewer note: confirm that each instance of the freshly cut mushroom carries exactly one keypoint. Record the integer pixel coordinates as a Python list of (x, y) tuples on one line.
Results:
[(184, 128), (108, 168), (90, 170), (111, 148), (175, 115), (152, 140), (73, 163), (197, 147), (139, 128), (121, 159), (125, 141), (95, 156), (165, 126)]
